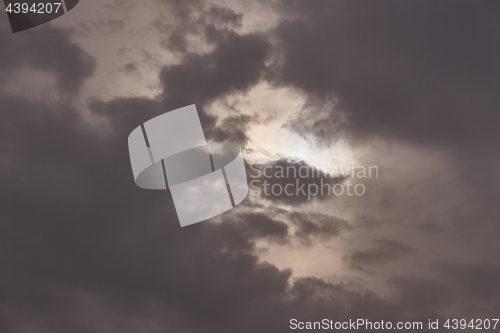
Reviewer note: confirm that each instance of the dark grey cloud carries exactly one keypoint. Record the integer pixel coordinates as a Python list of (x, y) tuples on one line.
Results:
[(368, 221), (103, 25), (458, 288), (477, 280), (384, 251), (47, 49), (236, 64), (234, 129), (130, 67), (195, 19), (313, 226), (420, 71), (260, 226), (430, 227), (299, 175)]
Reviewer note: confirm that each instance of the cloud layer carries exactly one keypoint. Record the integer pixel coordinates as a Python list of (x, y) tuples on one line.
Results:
[(83, 249)]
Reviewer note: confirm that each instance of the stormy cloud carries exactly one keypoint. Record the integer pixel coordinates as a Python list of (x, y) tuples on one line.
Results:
[(411, 85)]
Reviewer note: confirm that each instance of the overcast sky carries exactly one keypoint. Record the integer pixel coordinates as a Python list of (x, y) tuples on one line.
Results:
[(412, 87)]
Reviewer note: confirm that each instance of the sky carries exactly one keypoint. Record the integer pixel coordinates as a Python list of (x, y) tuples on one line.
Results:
[(409, 87)]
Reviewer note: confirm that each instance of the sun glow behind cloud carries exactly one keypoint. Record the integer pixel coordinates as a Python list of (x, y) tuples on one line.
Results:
[(270, 138)]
